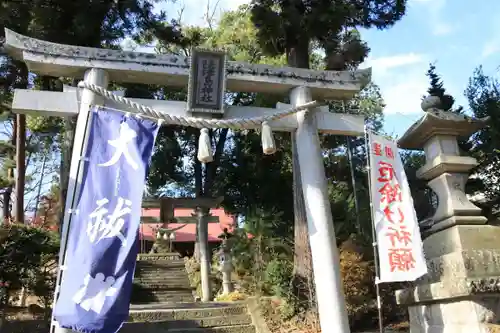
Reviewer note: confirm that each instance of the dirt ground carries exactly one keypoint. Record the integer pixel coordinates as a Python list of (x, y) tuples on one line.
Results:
[(23, 313)]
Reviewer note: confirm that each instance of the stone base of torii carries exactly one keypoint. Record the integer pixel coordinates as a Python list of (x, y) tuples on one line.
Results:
[(99, 67)]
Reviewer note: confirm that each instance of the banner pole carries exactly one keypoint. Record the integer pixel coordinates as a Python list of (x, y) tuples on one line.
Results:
[(353, 181), (374, 237), (88, 98)]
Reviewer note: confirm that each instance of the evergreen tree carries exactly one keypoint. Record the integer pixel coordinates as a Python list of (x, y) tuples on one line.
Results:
[(250, 181), (81, 22), (290, 28), (436, 88), (483, 95)]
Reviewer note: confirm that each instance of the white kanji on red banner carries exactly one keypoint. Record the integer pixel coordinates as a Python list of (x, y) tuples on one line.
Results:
[(400, 249)]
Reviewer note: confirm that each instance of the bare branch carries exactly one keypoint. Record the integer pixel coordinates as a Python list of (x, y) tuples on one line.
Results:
[(180, 12), (210, 14)]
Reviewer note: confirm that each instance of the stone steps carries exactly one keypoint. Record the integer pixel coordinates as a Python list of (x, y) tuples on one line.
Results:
[(163, 287), (166, 273), (159, 269), (163, 302), (161, 280), (169, 291), (164, 282), (189, 318), (152, 328), (158, 257), (155, 299), (185, 311), (161, 276), (160, 262), (206, 322), (160, 293)]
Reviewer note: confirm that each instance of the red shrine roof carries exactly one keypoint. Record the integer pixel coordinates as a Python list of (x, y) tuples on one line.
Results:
[(187, 233)]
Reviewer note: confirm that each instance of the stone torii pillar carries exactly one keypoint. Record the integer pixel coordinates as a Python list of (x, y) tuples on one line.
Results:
[(460, 292), (101, 66)]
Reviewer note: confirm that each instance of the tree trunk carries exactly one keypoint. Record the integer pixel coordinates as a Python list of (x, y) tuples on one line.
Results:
[(302, 259), (67, 148), (6, 204), (298, 56), (20, 166), (66, 151), (21, 151), (10, 177)]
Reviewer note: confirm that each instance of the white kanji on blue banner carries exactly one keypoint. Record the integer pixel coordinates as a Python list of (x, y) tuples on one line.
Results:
[(102, 241), (127, 135), (103, 225)]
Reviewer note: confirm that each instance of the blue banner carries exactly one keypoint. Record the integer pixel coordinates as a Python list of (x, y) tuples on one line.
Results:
[(102, 242)]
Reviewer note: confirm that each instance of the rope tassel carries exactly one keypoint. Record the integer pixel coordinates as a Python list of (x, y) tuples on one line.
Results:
[(205, 154), (268, 144)]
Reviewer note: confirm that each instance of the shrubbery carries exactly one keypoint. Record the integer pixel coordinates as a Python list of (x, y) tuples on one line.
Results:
[(194, 274), (28, 259), (358, 277), (268, 271), (232, 297), (263, 266)]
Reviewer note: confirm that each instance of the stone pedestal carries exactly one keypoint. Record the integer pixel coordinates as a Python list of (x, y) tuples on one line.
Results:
[(461, 292)]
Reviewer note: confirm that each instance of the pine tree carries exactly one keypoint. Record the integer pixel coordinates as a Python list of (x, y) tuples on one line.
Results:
[(291, 28), (436, 88)]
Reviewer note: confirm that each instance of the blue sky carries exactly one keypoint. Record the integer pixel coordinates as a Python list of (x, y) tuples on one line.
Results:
[(456, 35)]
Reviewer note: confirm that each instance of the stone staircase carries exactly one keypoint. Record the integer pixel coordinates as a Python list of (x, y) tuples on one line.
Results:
[(163, 302), (189, 318), (160, 279)]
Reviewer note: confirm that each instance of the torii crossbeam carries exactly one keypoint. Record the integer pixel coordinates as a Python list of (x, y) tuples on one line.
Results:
[(99, 66)]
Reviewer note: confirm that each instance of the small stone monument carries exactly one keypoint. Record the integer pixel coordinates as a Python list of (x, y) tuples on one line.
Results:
[(460, 293)]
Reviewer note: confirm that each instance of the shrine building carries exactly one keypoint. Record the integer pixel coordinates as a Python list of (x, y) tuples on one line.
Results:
[(172, 214)]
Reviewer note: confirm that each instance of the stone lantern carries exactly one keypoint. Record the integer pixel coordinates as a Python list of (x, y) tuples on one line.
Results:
[(460, 292), (226, 267)]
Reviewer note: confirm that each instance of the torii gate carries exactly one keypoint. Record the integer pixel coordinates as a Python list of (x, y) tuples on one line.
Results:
[(99, 66)]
